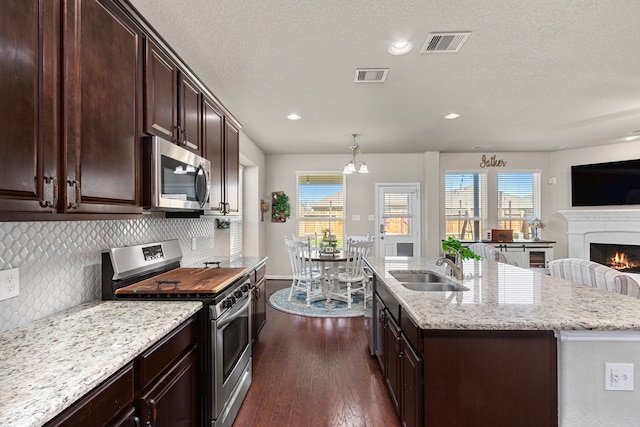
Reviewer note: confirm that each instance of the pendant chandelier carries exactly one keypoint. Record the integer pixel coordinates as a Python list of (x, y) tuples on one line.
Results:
[(355, 165)]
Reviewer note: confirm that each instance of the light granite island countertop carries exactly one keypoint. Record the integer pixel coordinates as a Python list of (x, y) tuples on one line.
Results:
[(48, 364), (505, 297)]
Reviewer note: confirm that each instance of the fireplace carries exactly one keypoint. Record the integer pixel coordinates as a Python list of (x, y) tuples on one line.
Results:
[(624, 258)]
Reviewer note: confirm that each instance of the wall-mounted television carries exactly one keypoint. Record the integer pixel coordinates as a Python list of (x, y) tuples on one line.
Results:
[(601, 184)]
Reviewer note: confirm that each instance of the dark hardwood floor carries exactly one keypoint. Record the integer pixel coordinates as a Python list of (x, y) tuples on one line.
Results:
[(314, 372)]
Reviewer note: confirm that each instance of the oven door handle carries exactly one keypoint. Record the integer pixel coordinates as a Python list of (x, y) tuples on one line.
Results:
[(228, 319)]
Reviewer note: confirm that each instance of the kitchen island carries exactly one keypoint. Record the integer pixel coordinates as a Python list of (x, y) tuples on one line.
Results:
[(486, 355)]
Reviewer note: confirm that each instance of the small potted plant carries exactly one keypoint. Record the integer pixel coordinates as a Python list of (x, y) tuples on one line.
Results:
[(452, 247), (280, 207)]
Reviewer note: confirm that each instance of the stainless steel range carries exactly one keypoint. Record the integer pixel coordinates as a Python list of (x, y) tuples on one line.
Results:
[(152, 272)]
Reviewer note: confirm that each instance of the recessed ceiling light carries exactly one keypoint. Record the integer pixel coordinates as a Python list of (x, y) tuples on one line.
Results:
[(400, 47), (631, 137), (294, 116), (480, 147), (452, 116)]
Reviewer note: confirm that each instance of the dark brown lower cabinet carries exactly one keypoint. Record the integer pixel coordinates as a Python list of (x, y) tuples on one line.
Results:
[(102, 404), (258, 302), (159, 388), (392, 351), (490, 378), (172, 400)]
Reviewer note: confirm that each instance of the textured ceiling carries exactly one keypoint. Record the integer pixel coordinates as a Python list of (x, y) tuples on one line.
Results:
[(533, 75)]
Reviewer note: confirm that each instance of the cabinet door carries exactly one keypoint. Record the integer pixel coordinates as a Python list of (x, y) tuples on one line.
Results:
[(232, 164), (259, 309), (393, 352), (103, 74), (28, 175), (411, 386), (213, 138), (190, 115), (172, 400), (161, 93)]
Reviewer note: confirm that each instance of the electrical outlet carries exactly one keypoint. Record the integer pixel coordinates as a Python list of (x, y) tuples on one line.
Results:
[(618, 376), (194, 243), (9, 283)]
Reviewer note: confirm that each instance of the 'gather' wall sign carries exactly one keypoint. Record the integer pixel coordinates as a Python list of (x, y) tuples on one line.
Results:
[(492, 162)]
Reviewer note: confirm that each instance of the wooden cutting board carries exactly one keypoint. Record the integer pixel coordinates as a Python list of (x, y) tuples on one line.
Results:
[(189, 281)]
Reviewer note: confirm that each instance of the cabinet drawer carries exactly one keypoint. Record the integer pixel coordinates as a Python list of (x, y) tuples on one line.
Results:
[(102, 404), (261, 272), (410, 329), (152, 362)]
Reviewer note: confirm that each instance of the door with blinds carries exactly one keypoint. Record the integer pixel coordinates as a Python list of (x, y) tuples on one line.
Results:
[(398, 219)]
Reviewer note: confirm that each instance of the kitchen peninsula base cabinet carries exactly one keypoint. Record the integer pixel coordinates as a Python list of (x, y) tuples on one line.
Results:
[(159, 388), (490, 378)]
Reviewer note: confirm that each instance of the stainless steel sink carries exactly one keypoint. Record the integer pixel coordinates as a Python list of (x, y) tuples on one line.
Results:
[(416, 276), (425, 281), (433, 287)]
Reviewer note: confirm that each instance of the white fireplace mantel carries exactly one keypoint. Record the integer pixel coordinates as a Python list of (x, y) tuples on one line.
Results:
[(600, 226)]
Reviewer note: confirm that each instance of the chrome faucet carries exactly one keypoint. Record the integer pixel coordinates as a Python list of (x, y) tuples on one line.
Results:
[(455, 268)]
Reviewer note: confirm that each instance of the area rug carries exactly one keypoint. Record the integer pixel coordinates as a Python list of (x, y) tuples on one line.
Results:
[(298, 305)]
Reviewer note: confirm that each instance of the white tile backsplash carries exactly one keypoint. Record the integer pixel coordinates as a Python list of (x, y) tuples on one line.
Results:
[(60, 261)]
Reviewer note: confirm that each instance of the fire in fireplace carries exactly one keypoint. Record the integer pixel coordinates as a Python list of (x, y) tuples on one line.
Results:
[(625, 258)]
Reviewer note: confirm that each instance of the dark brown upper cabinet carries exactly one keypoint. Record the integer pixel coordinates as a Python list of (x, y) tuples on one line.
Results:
[(221, 140), (103, 108), (29, 169), (173, 108), (74, 113)]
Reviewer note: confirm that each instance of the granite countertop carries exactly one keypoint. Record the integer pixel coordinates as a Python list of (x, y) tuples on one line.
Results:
[(48, 364), (505, 297)]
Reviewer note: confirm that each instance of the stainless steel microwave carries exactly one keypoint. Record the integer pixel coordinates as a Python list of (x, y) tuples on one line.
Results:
[(174, 178)]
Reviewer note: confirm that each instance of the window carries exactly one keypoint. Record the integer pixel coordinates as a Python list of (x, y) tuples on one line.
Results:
[(465, 204), (518, 201), (235, 228), (320, 204)]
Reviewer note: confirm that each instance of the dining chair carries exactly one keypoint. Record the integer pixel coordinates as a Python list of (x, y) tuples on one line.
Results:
[(353, 278), (490, 252), (305, 278), (593, 274), (350, 239)]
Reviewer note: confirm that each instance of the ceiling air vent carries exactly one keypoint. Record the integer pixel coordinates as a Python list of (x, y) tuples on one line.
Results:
[(445, 42), (371, 75)]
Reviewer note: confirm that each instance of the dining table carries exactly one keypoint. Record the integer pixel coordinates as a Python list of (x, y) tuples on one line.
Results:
[(329, 267)]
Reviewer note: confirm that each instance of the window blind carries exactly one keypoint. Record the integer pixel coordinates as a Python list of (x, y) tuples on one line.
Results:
[(518, 200), (235, 228), (320, 203), (465, 204)]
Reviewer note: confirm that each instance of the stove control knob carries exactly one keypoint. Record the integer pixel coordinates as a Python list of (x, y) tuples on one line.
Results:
[(228, 303), (245, 288), (238, 294)]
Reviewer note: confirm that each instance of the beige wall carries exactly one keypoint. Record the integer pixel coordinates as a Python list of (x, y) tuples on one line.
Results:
[(254, 162), (281, 176)]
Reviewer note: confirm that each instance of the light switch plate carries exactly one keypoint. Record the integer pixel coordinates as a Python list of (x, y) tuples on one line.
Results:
[(355, 217), (372, 218), (9, 283), (618, 376)]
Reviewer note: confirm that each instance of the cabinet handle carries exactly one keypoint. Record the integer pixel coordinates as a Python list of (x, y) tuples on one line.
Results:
[(76, 194), (227, 207), (151, 407), (45, 203), (136, 421), (399, 346), (381, 318)]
